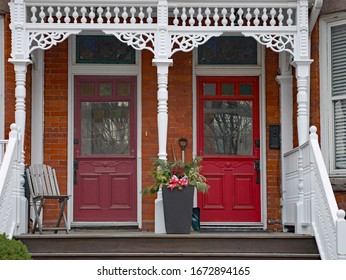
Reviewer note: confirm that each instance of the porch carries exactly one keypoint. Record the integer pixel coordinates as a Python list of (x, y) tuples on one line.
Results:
[(134, 244), (302, 172)]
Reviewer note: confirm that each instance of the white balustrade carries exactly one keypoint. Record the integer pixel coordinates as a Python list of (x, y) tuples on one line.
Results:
[(9, 182), (91, 14), (232, 16), (182, 16), (309, 201)]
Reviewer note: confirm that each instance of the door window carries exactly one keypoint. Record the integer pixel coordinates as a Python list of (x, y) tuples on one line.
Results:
[(105, 128), (228, 127)]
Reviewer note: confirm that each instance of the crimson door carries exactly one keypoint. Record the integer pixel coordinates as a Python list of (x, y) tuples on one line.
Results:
[(105, 187), (228, 141)]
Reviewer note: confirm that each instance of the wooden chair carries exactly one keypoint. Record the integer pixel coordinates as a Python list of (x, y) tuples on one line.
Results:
[(44, 186)]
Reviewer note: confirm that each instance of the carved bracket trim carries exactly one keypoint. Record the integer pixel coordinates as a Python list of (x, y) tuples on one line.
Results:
[(187, 42), (276, 41), (46, 40), (137, 40)]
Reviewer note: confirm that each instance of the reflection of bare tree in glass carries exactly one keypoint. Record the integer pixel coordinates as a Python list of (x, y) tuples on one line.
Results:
[(105, 127), (228, 127)]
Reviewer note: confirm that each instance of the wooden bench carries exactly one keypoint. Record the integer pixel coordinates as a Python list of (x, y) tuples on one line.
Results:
[(44, 186)]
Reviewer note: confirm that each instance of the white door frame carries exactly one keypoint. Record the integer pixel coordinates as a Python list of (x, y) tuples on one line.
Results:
[(256, 70), (101, 69)]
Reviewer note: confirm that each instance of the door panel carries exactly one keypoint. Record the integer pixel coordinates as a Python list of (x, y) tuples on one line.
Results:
[(105, 186), (228, 130)]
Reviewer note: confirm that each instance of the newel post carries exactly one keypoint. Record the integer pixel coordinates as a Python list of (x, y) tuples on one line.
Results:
[(341, 234)]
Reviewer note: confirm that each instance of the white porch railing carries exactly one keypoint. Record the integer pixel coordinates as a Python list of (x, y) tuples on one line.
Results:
[(308, 200), (10, 151)]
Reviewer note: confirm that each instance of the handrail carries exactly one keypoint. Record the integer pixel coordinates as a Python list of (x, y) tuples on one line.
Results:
[(9, 178), (309, 203), (328, 224)]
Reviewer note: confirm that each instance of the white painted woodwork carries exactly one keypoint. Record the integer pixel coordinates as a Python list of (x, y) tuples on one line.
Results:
[(37, 115), (38, 24), (309, 201), (12, 219), (302, 75), (285, 80)]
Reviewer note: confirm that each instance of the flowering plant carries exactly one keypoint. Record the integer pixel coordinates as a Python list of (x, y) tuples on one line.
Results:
[(177, 174)]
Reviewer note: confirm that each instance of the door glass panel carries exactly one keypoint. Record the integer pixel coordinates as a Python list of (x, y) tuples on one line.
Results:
[(87, 89), (105, 89), (105, 128), (209, 89), (227, 89), (245, 89), (123, 89), (228, 127)]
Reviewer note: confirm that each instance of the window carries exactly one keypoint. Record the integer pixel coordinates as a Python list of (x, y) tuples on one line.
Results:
[(228, 50), (338, 91), (333, 94), (103, 49)]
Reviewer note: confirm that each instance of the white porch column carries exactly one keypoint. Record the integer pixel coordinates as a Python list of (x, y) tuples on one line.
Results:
[(302, 63), (162, 97), (20, 68), (37, 101), (162, 124), (285, 80), (162, 62), (303, 78)]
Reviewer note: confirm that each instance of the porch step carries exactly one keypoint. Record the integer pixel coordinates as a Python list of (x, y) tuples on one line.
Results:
[(142, 245)]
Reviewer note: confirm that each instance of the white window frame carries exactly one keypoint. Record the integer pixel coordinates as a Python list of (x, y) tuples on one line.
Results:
[(326, 100)]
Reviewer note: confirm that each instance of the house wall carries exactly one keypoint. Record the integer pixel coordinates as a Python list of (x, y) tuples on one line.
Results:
[(332, 6), (55, 118), (273, 155), (180, 117), (179, 122)]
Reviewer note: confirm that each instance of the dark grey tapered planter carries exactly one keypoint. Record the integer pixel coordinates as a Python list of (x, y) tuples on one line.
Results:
[(177, 207)]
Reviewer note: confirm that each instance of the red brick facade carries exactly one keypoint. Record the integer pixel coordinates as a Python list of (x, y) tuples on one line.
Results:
[(180, 107), (273, 155)]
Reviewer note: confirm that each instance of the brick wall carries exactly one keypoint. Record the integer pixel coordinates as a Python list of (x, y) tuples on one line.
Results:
[(180, 118), (273, 155), (55, 119), (149, 135), (179, 122)]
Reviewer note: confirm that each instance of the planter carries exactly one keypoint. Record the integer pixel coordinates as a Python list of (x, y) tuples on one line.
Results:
[(177, 208)]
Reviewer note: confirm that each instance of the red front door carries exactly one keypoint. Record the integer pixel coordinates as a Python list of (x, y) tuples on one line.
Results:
[(105, 186), (228, 141)]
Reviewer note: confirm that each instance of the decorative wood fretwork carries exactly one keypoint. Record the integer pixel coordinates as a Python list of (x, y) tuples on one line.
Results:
[(45, 40), (276, 42)]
